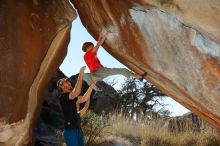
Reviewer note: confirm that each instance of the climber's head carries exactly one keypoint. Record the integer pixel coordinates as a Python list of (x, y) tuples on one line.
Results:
[(86, 46)]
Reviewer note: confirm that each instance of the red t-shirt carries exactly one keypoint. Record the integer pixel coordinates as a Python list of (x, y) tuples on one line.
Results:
[(92, 61)]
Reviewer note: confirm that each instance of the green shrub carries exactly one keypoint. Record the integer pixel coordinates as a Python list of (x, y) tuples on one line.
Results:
[(93, 126)]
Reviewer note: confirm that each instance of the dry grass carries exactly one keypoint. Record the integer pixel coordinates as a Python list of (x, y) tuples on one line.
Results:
[(111, 140), (155, 133)]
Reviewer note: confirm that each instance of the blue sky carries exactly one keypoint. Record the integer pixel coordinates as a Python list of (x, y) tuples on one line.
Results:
[(74, 61)]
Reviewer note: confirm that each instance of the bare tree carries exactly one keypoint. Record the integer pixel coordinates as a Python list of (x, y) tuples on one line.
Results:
[(137, 98)]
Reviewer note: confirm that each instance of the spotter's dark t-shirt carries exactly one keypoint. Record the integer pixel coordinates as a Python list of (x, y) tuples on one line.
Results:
[(71, 117)]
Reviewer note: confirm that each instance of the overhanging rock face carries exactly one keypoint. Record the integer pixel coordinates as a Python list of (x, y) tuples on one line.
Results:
[(33, 41), (177, 42)]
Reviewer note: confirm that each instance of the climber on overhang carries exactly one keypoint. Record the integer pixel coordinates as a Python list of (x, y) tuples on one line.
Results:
[(97, 71)]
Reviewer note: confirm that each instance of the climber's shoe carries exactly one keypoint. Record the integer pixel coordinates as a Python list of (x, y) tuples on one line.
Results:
[(143, 76)]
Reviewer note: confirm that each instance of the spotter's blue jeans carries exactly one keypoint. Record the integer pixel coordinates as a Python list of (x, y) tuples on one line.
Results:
[(73, 137)]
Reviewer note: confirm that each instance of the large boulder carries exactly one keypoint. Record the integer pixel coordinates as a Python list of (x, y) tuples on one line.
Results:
[(106, 101), (33, 42), (176, 42)]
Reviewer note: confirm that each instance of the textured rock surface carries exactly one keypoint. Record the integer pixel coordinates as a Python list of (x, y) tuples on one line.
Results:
[(33, 39), (106, 101), (177, 42)]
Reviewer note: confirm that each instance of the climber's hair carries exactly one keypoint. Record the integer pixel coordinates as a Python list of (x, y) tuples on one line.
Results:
[(86, 45)]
